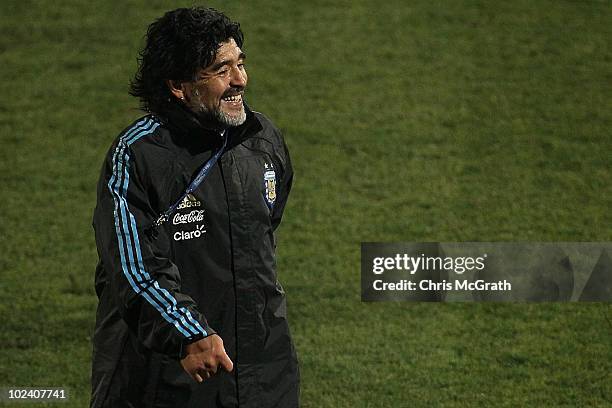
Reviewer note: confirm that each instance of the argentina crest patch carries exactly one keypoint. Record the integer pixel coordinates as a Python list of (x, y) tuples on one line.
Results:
[(270, 185)]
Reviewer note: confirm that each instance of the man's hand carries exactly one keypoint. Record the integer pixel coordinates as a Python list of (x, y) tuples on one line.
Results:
[(204, 358)]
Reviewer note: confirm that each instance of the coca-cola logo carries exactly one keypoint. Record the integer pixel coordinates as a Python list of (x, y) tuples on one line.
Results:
[(193, 216)]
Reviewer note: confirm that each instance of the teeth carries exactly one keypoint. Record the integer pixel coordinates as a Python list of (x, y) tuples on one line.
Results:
[(234, 98)]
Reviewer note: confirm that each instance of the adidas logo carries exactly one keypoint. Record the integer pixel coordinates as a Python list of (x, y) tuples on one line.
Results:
[(188, 202)]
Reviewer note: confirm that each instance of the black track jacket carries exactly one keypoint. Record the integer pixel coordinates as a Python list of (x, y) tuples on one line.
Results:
[(209, 269)]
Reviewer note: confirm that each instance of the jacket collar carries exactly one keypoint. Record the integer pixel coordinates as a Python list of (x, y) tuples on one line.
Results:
[(182, 120)]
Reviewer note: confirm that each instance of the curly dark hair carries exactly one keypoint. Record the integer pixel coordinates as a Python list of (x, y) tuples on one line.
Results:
[(177, 45)]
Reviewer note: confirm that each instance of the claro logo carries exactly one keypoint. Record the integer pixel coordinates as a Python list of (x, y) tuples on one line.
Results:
[(193, 216), (185, 235)]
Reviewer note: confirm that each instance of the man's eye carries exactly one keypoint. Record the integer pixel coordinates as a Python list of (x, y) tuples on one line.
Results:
[(223, 71)]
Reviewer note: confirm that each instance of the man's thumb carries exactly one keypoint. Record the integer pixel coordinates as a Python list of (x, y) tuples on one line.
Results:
[(226, 362)]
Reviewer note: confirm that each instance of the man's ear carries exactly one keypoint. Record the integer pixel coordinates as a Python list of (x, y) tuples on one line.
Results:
[(177, 88)]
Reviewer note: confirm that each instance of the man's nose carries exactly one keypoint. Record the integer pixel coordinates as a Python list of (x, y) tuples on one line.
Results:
[(238, 78)]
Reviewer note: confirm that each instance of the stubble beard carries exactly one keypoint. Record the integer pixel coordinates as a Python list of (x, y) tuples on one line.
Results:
[(218, 117)]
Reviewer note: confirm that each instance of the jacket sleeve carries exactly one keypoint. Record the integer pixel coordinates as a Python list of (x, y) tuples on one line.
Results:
[(284, 186), (144, 284)]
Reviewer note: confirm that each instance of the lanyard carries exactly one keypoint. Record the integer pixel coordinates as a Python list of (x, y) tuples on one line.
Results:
[(194, 184)]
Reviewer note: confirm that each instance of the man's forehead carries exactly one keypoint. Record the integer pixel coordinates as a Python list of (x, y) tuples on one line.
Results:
[(227, 50)]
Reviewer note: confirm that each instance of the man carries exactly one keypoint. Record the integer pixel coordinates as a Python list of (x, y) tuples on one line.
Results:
[(190, 311)]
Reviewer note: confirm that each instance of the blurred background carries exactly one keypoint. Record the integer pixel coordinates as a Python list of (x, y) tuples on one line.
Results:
[(412, 121)]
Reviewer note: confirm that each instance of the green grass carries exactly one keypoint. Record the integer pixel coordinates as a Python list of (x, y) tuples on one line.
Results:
[(407, 121)]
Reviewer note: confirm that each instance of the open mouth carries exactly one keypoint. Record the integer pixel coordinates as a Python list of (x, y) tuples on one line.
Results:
[(233, 99)]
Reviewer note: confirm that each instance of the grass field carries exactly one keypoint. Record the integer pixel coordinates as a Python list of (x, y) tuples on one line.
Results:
[(407, 121)]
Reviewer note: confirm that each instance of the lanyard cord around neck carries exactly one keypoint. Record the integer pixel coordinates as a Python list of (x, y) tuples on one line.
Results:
[(195, 183)]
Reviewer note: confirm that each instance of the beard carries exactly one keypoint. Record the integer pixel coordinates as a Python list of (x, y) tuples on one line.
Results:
[(218, 117), (229, 120)]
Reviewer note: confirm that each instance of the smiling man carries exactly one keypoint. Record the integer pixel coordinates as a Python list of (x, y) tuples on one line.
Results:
[(216, 94), (190, 312)]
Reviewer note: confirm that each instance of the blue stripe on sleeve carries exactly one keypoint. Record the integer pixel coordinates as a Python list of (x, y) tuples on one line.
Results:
[(172, 307), (127, 234)]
